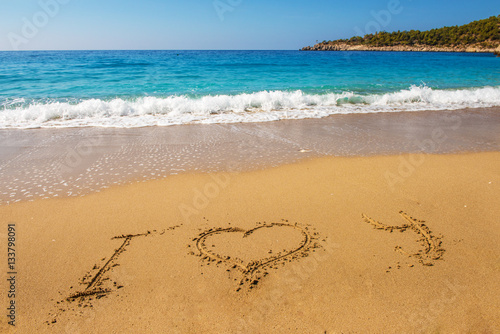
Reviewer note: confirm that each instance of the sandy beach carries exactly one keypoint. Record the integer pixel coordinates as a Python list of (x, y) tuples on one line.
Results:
[(383, 244)]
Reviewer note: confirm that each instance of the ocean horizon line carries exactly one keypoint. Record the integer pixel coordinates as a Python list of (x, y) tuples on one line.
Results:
[(121, 50)]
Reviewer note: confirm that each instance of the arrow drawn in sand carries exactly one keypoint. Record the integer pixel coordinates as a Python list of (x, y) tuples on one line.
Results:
[(431, 244)]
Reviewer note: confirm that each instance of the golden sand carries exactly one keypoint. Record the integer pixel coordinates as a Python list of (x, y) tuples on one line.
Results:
[(386, 244)]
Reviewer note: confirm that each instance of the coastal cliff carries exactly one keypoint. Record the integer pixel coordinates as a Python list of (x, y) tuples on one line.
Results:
[(407, 48), (477, 36)]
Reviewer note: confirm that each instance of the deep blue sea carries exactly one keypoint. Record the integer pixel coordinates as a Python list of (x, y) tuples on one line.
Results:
[(147, 88)]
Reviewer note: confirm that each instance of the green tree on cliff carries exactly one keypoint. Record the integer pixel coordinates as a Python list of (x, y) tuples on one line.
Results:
[(484, 32)]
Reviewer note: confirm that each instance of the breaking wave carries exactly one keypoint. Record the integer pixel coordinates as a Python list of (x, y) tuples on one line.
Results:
[(248, 107)]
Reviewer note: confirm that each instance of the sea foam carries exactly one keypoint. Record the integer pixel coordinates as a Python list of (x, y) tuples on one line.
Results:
[(248, 107)]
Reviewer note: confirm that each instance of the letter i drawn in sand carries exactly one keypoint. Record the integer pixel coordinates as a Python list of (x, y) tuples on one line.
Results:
[(96, 284)]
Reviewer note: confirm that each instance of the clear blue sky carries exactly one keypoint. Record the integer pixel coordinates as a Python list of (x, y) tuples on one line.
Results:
[(217, 24)]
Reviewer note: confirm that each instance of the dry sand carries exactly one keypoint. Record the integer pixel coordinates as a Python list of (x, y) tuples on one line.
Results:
[(280, 250)]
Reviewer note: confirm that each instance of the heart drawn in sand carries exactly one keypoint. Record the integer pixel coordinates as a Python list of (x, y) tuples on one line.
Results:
[(252, 251)]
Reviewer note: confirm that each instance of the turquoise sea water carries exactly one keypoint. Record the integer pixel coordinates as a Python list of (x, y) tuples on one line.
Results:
[(143, 88)]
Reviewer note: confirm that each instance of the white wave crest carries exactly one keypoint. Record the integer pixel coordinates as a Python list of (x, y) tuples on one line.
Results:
[(254, 107)]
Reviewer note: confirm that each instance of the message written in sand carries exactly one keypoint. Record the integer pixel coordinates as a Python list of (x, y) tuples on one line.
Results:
[(431, 244), (96, 283), (255, 267)]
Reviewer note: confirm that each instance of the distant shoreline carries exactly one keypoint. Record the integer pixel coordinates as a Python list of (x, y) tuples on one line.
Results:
[(399, 48), (482, 36)]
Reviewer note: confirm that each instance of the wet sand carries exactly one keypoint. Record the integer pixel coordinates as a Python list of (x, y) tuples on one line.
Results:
[(44, 163)]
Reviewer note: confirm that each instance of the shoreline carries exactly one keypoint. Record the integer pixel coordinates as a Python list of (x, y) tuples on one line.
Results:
[(45, 163), (494, 52), (159, 279), (399, 48)]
